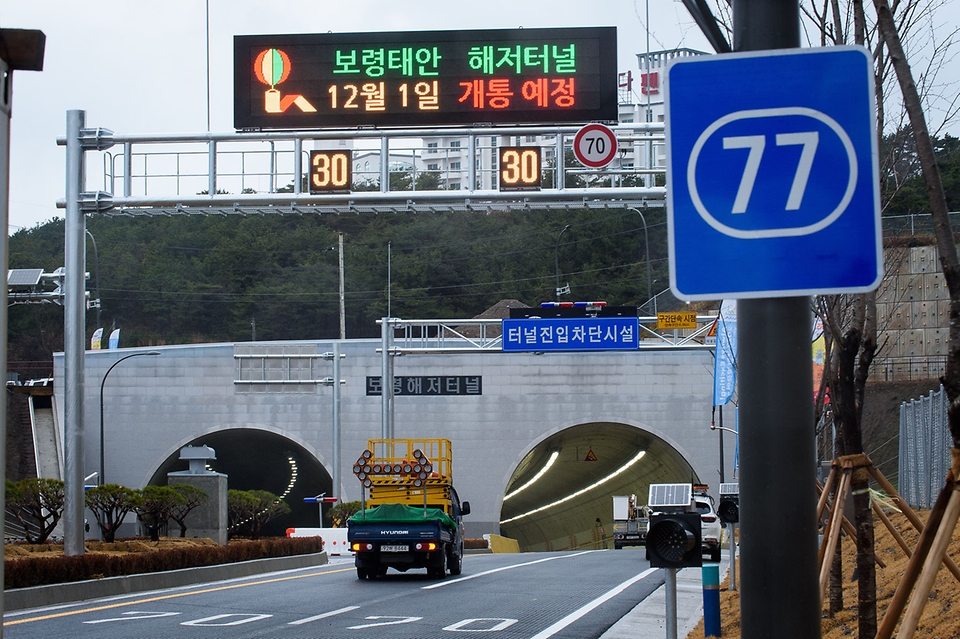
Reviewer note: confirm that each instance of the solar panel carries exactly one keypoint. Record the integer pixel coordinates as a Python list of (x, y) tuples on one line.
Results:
[(24, 276), (670, 495), (730, 488)]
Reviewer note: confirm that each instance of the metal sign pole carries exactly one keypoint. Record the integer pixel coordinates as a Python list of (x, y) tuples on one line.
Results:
[(73, 342), (336, 426), (777, 452), (670, 592)]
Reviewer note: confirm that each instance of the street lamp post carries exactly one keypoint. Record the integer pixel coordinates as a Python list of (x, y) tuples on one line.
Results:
[(646, 249), (556, 259), (100, 480)]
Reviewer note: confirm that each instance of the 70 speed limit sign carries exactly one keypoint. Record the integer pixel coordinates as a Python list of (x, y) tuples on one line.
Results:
[(595, 145)]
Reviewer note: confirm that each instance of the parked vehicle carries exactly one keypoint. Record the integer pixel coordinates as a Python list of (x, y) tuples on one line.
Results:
[(711, 530), (413, 517)]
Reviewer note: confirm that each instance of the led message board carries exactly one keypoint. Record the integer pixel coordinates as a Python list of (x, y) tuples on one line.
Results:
[(425, 78)]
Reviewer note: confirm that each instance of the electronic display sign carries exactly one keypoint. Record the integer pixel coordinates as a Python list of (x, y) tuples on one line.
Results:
[(519, 168), (330, 172), (425, 78)]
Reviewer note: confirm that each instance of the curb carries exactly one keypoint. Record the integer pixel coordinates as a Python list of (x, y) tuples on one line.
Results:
[(41, 596)]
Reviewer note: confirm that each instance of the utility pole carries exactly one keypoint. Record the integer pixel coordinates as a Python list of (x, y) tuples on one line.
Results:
[(343, 320)]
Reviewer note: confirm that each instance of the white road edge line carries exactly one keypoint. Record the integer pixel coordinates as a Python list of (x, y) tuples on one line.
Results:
[(511, 567), (576, 614), (332, 613)]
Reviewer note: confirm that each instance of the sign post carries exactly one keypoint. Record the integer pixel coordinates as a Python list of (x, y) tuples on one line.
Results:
[(772, 171)]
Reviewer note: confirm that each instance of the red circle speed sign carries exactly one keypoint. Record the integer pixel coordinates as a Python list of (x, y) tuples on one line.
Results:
[(595, 145)]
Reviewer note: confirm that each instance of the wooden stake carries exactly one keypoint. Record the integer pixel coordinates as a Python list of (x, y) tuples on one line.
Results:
[(912, 516), (930, 568), (899, 601), (833, 528)]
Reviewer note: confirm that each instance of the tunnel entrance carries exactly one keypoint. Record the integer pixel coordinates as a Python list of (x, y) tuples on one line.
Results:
[(560, 496), (259, 460)]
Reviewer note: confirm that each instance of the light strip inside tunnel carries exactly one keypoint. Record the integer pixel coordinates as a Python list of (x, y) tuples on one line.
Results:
[(600, 482), (546, 467)]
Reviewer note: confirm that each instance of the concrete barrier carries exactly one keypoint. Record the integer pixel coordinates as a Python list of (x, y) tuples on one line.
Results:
[(502, 544), (334, 539)]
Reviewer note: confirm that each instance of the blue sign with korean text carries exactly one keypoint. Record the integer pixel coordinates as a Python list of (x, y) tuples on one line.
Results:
[(772, 180), (571, 334)]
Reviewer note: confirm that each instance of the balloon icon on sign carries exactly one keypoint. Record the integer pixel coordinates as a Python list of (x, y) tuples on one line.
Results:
[(272, 67)]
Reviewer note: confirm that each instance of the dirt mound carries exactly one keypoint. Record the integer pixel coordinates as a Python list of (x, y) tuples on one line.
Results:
[(939, 617)]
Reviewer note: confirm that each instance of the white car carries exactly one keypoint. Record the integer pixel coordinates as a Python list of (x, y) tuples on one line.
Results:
[(711, 530)]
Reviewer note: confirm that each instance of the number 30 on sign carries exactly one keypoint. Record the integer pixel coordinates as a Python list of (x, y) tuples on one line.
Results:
[(330, 171), (519, 168)]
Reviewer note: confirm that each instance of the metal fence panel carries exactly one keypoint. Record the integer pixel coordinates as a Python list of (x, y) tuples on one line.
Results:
[(924, 448)]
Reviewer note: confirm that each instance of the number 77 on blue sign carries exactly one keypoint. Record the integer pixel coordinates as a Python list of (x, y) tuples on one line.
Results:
[(772, 174)]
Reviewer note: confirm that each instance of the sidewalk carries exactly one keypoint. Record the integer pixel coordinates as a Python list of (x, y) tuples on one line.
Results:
[(648, 619)]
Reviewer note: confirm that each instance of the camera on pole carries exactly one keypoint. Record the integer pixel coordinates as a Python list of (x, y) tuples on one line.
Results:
[(729, 508), (673, 536)]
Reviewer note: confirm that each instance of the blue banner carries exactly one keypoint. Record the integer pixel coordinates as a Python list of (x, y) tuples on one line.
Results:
[(725, 361), (571, 334)]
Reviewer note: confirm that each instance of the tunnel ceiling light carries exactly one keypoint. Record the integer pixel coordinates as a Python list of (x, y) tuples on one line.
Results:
[(540, 473), (596, 484)]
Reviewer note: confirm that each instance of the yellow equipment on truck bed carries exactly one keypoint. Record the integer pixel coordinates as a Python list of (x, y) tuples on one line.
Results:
[(413, 516)]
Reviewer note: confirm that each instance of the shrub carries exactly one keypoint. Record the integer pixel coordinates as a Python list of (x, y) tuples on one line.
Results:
[(39, 571)]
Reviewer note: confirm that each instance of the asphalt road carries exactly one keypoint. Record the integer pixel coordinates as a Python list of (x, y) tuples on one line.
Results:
[(572, 595)]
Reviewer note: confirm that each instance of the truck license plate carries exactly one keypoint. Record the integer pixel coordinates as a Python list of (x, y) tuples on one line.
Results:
[(394, 548)]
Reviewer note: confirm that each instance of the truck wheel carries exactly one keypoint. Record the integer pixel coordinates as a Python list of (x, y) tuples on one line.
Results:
[(362, 573), (455, 563), (439, 571)]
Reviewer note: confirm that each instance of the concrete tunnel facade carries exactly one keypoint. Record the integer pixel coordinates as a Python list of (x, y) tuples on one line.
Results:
[(261, 407)]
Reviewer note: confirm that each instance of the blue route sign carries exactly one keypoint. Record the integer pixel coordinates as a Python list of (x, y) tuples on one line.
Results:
[(772, 174), (571, 334)]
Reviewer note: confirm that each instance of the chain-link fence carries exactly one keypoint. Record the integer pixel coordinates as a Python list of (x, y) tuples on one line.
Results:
[(924, 448)]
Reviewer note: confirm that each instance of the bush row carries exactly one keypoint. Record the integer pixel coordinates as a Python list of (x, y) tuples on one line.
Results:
[(39, 571)]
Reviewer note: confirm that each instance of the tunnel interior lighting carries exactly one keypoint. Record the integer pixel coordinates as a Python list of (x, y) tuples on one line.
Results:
[(573, 495), (540, 473)]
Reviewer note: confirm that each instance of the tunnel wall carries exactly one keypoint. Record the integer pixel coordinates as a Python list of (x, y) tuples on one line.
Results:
[(155, 404)]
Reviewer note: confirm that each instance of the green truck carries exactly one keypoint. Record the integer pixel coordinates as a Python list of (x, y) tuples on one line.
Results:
[(412, 517)]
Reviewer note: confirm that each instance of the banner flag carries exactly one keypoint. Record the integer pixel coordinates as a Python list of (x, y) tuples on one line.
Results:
[(115, 339), (725, 361), (95, 340)]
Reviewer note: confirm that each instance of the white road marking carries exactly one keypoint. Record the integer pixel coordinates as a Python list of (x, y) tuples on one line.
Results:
[(323, 616), (451, 582)]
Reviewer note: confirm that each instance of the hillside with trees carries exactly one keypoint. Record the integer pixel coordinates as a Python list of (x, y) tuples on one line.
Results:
[(194, 279)]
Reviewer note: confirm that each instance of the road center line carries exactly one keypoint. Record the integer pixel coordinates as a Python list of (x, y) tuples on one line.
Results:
[(576, 614), (452, 582), (177, 595)]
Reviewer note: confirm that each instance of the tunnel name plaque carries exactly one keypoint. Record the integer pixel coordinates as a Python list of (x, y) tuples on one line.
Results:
[(438, 385)]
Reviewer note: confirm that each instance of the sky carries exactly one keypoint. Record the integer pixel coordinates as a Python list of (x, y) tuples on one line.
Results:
[(139, 67)]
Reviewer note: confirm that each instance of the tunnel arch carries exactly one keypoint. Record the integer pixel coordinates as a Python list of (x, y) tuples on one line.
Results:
[(261, 459), (565, 483)]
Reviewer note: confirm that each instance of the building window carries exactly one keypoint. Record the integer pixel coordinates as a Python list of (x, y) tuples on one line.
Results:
[(454, 166), (455, 144), (433, 167), (431, 147), (454, 186)]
